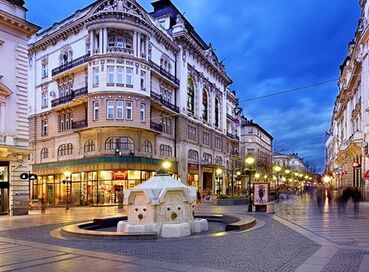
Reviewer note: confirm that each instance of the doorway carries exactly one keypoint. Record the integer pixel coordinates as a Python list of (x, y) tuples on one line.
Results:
[(207, 181), (4, 201)]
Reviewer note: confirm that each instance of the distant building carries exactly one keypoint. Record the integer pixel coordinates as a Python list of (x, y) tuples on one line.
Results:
[(115, 91), (292, 161), (257, 141), (14, 129)]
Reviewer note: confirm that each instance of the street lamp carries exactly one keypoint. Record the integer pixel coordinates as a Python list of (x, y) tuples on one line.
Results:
[(277, 169), (238, 182), (327, 179), (249, 162), (218, 173), (68, 182)]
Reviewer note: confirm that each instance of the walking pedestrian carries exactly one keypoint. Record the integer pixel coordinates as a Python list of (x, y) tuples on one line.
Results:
[(330, 194), (320, 197), (356, 196)]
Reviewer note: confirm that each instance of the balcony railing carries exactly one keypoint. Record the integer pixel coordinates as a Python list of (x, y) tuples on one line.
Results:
[(69, 97), (70, 65), (233, 136), (79, 124), (230, 117), (164, 73), (159, 98), (119, 50), (156, 126)]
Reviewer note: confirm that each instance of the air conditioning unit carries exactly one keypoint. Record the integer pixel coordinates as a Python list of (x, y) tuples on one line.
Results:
[(52, 94)]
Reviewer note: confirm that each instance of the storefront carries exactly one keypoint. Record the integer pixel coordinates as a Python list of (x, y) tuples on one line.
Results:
[(193, 175), (87, 187), (4, 187)]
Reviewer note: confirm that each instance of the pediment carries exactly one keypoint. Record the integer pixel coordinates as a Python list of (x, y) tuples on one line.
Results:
[(126, 6), (5, 91)]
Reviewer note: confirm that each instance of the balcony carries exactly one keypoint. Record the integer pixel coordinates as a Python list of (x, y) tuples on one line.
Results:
[(67, 98), (230, 117), (70, 65), (233, 136), (157, 127), (159, 98), (164, 73), (79, 124), (119, 50)]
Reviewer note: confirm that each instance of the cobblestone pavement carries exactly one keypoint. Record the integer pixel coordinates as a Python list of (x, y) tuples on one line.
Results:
[(274, 247), (344, 236)]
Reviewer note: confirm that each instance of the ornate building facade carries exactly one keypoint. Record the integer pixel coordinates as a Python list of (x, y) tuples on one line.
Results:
[(115, 91), (14, 132), (257, 141), (347, 141)]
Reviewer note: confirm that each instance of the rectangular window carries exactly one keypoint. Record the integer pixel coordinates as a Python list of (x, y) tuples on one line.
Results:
[(217, 143), (96, 76), (45, 100), (120, 110), (44, 126), (206, 138), (45, 70), (143, 80), (119, 74), (110, 110), (110, 75), (96, 111), (143, 112), (192, 133), (129, 74), (129, 110)]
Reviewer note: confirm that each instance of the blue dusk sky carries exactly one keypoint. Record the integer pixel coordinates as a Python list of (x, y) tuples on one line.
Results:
[(267, 46)]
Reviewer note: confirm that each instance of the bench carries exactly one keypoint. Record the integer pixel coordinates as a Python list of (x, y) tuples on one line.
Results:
[(244, 223)]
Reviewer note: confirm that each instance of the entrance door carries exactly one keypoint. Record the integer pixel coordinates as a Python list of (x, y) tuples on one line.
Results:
[(3, 201), (207, 181)]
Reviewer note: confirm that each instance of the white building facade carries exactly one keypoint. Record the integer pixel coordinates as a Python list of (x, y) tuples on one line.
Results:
[(115, 91), (14, 130), (347, 142)]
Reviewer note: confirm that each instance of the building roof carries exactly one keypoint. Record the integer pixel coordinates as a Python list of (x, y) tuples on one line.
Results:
[(17, 2), (167, 8), (246, 122)]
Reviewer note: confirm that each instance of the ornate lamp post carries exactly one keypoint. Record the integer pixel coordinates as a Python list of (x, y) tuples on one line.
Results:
[(68, 182), (238, 182), (277, 169), (249, 169), (218, 173)]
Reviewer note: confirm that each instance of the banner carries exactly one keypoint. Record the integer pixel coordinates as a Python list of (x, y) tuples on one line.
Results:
[(261, 193)]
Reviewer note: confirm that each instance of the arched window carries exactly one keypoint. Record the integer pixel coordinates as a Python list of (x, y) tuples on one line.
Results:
[(121, 39), (65, 149), (205, 105), (193, 155), (119, 144), (166, 151), (147, 147), (190, 96), (89, 146), (217, 113), (44, 153)]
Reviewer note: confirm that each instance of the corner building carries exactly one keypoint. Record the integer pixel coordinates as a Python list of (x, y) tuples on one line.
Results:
[(115, 91), (15, 30)]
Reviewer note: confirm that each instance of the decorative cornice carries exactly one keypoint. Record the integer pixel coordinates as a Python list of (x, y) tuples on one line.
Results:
[(189, 45), (17, 23)]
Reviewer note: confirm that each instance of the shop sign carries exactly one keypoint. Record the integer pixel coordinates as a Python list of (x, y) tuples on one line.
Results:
[(120, 175), (21, 193), (193, 167), (261, 193)]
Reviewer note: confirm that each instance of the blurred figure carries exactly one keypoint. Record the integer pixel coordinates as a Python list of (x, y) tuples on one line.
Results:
[(345, 196), (320, 197), (330, 194), (356, 197)]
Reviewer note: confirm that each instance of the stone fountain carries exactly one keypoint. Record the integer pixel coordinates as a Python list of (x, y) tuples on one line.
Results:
[(164, 206)]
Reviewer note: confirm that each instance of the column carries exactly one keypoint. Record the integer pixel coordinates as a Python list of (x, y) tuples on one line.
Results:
[(92, 42), (2, 117), (101, 41), (135, 43), (105, 39)]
